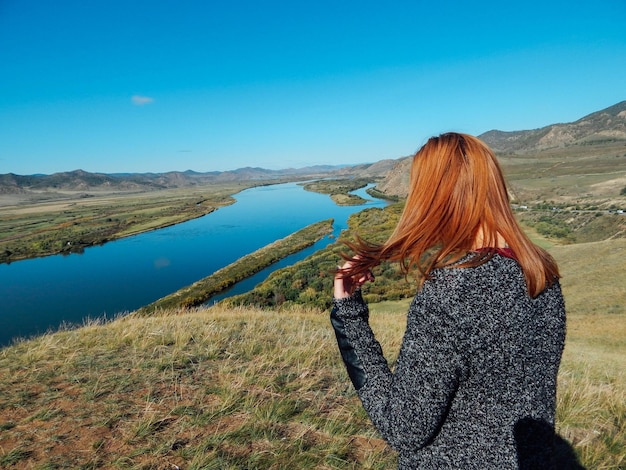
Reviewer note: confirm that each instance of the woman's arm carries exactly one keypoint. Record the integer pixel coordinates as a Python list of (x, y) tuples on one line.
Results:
[(408, 406), (349, 310)]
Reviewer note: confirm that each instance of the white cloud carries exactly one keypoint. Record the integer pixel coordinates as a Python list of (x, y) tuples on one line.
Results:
[(141, 100)]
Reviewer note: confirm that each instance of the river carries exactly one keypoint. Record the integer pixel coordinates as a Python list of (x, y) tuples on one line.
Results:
[(41, 294)]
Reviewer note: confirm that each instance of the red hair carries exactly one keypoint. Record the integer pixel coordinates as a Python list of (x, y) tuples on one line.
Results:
[(457, 195)]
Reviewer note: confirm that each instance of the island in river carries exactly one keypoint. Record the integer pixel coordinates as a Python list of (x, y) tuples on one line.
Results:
[(201, 291)]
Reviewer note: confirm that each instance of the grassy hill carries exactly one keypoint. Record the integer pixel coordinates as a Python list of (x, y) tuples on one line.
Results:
[(232, 388), (606, 125), (577, 163)]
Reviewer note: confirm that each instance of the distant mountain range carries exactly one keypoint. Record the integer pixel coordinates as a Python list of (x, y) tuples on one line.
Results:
[(79, 180), (602, 126)]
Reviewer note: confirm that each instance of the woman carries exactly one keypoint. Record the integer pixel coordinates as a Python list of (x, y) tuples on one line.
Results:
[(475, 381)]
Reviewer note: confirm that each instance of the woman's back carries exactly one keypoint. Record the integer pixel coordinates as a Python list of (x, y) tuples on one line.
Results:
[(504, 348)]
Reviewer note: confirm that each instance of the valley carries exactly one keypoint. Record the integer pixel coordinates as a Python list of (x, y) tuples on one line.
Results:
[(255, 380)]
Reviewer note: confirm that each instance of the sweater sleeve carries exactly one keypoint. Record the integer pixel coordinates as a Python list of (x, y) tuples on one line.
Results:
[(409, 405), (350, 315)]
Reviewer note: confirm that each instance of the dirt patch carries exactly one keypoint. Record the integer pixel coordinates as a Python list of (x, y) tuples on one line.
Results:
[(610, 187)]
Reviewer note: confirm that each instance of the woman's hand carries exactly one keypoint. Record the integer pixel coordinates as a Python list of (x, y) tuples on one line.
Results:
[(345, 286)]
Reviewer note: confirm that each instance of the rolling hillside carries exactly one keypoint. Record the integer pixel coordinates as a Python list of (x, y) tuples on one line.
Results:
[(587, 156), (79, 180), (607, 125)]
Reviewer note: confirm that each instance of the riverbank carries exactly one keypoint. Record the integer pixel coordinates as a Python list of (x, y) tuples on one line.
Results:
[(339, 190), (42, 294), (43, 228), (201, 291)]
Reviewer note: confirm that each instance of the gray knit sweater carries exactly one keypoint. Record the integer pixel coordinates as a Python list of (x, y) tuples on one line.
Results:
[(475, 382)]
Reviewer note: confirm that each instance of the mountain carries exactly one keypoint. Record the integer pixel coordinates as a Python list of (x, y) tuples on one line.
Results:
[(368, 170), (594, 130), (82, 181), (602, 126), (79, 180)]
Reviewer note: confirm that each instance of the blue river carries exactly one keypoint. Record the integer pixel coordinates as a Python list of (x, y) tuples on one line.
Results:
[(42, 294)]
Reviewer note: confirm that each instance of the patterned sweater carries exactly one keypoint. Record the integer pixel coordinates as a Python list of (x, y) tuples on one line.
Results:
[(475, 382)]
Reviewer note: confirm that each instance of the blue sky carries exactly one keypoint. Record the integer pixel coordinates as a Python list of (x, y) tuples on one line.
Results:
[(160, 85)]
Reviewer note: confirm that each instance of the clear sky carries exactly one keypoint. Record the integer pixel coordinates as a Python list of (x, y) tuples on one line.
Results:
[(160, 85)]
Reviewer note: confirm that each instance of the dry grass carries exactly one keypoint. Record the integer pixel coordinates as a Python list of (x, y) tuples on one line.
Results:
[(575, 174), (231, 389), (594, 275), (206, 389), (592, 384)]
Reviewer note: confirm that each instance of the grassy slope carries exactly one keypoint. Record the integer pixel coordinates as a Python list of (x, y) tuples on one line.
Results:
[(242, 388), (592, 383), (208, 389)]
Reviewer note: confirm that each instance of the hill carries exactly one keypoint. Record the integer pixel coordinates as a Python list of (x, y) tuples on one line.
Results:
[(244, 388), (69, 184), (607, 125), (579, 162)]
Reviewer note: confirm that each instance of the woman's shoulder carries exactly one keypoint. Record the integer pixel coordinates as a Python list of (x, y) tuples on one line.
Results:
[(486, 269), (499, 279), (456, 282)]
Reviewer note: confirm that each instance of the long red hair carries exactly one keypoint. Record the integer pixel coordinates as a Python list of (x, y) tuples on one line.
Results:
[(457, 194)]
